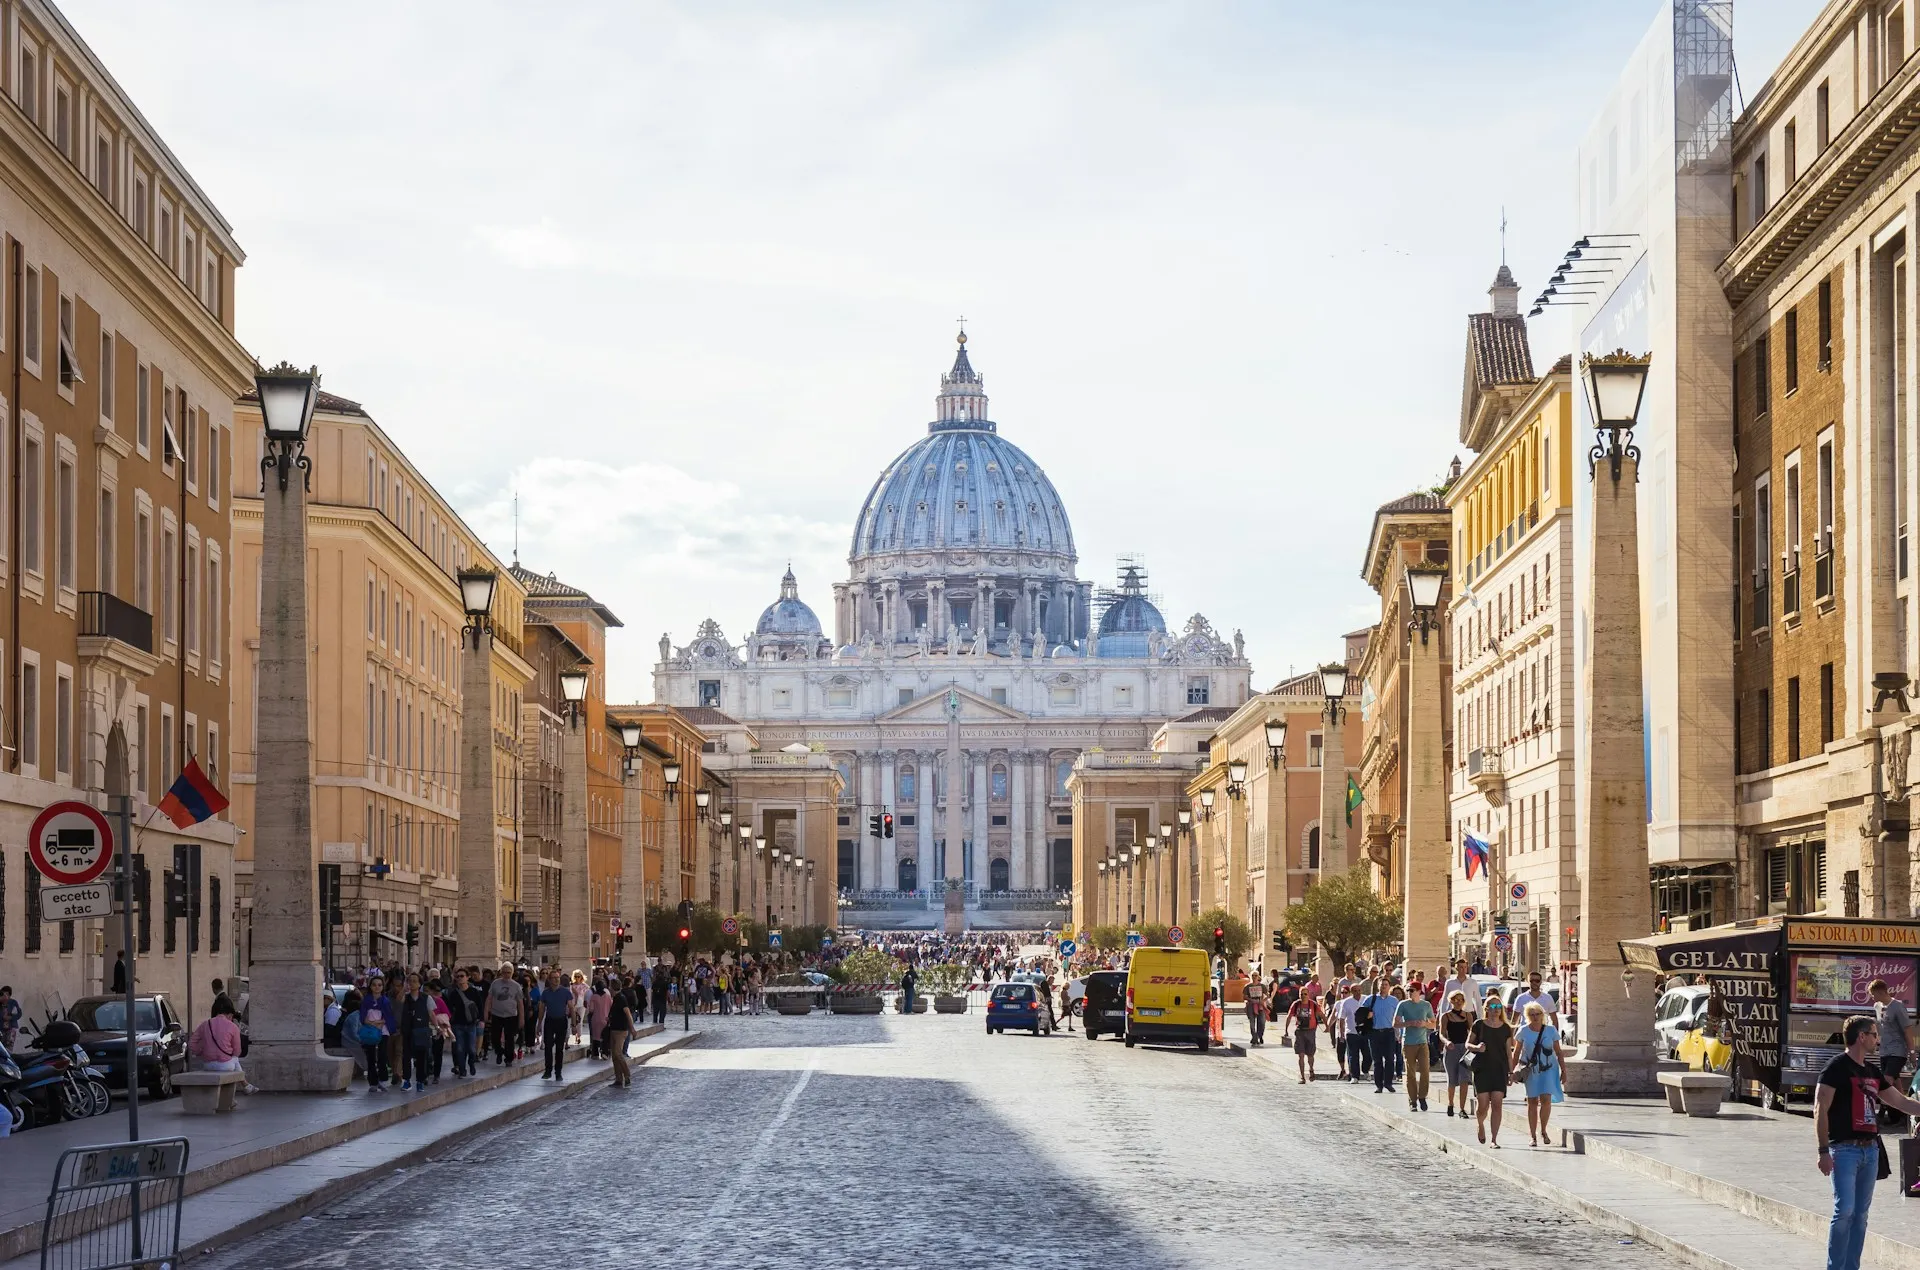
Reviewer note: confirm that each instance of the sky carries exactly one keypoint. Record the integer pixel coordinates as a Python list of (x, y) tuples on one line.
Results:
[(683, 277)]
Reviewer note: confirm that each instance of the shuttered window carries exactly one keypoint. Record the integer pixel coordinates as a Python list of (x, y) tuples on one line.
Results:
[(33, 908)]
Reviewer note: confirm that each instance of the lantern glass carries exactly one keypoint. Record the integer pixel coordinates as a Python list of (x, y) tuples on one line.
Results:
[(1186, 817), (1276, 734), (476, 591), (1166, 831), (726, 820), (573, 685), (672, 772), (287, 398), (1423, 587), (702, 797), (1333, 680), (1206, 798), (1615, 384), (760, 842), (1237, 771), (630, 735)]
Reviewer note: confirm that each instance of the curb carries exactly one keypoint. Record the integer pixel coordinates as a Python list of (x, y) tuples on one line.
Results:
[(300, 1205)]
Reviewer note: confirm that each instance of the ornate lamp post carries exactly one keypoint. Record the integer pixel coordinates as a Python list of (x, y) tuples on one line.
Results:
[(1613, 1056), (576, 900), (285, 1019), (478, 932)]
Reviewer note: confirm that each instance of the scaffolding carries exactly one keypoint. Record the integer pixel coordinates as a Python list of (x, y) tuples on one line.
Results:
[(1704, 78), (1130, 571)]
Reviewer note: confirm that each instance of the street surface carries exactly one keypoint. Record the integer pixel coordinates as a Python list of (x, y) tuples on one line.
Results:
[(828, 1142)]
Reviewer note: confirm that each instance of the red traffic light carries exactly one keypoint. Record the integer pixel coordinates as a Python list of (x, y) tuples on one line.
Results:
[(886, 824), (1219, 932), (685, 933)]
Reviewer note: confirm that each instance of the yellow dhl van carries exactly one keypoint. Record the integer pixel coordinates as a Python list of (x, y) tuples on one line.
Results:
[(1167, 995)]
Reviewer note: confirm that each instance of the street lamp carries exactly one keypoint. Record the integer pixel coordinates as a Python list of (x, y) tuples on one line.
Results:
[(1186, 820), (702, 798), (1276, 741), (476, 597), (573, 691), (1333, 686), (287, 398), (1423, 591), (1206, 804), (726, 817), (671, 770), (1166, 831), (1236, 778), (1615, 384)]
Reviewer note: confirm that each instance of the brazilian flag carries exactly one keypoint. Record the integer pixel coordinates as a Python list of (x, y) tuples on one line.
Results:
[(1353, 799)]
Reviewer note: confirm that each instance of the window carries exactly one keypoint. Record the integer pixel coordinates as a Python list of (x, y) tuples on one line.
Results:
[(30, 713), (62, 725), (142, 411), (142, 560), (167, 769), (63, 120), (213, 593), (30, 80), (64, 523), (1757, 190), (1822, 119), (30, 509), (189, 439), (1790, 551), (141, 775), (1793, 719), (108, 535), (169, 557), (1199, 691), (1793, 351), (169, 440), (1826, 704), (906, 696), (1000, 696), (1063, 696), (213, 463), (216, 916), (1316, 749), (1123, 696), (1762, 549), (1763, 723), (1761, 377), (1789, 151), (30, 303), (103, 166), (1823, 325), (32, 876), (140, 206), (69, 360), (106, 377), (840, 698), (783, 698)]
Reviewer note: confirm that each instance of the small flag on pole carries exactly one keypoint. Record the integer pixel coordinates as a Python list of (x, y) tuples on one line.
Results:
[(193, 798), (1353, 800), (1473, 854)]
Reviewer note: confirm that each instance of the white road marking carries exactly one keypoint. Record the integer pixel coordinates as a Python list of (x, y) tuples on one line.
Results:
[(723, 1202)]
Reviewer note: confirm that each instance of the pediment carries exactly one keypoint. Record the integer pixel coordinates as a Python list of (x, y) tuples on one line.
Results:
[(932, 708)]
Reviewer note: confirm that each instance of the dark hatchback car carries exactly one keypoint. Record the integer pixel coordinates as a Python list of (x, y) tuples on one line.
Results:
[(159, 1039), (1105, 1011)]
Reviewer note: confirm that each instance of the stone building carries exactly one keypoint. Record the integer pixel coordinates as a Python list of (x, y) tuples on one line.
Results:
[(1511, 652), (383, 550), (122, 367), (969, 667), (1826, 196)]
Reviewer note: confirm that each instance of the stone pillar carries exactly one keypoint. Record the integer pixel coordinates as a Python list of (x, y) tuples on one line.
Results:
[(478, 932), (1280, 850), (955, 784), (576, 901), (923, 768), (633, 863), (936, 610), (285, 1053), (1333, 796), (883, 848), (1236, 851), (977, 849), (1611, 853), (673, 890), (1427, 872), (1019, 842)]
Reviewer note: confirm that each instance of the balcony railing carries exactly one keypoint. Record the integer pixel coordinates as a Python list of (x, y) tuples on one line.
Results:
[(109, 616), (1823, 575)]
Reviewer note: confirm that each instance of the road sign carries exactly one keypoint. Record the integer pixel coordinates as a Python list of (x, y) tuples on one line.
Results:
[(1068, 948), (1469, 914), (1502, 941), (1134, 939), (70, 843), (1066, 932), (730, 926), (63, 903), (1517, 895), (826, 941), (773, 939), (1175, 935)]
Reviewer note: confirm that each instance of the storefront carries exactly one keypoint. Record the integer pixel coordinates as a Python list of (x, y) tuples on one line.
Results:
[(1814, 971)]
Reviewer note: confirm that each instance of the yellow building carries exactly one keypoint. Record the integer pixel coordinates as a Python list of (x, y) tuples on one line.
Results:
[(386, 615)]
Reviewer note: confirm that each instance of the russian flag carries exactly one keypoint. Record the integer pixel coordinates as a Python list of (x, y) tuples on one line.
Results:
[(1473, 853), (193, 798)]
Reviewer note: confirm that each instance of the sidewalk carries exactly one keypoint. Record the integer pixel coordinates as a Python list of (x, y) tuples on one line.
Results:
[(279, 1153), (1737, 1190)]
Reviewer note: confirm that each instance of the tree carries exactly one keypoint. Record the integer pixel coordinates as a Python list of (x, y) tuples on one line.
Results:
[(1107, 938), (1199, 933), (1344, 916)]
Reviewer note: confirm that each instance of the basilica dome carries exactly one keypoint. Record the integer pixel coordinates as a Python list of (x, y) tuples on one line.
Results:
[(964, 488), (789, 615)]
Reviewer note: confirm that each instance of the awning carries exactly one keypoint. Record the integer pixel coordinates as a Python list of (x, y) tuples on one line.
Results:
[(1738, 950)]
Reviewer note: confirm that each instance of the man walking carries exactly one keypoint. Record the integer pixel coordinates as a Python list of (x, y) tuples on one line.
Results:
[(1414, 1020), (506, 1014), (1462, 982), (464, 1018), (1380, 1009), (1256, 999), (908, 982), (556, 1006), (1352, 1041), (1846, 1126), (1895, 1025)]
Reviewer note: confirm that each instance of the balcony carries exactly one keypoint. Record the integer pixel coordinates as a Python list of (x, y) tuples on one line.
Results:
[(117, 633), (1486, 772)]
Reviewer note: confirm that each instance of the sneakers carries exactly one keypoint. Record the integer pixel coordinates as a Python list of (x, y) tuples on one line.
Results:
[(406, 1084), (1449, 1111), (1423, 1104)]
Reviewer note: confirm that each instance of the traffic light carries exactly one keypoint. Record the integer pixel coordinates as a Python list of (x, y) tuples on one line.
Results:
[(886, 824), (686, 940), (1281, 944), (1219, 941), (413, 935), (873, 825)]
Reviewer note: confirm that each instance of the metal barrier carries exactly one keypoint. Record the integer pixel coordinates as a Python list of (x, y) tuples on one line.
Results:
[(115, 1207)]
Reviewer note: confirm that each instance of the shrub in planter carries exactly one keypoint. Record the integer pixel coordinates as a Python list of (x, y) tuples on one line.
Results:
[(868, 972), (947, 985)]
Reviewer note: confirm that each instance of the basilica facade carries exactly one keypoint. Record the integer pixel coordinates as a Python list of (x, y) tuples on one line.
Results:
[(969, 666)]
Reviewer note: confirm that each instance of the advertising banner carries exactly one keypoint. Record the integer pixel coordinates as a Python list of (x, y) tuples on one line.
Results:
[(1839, 980)]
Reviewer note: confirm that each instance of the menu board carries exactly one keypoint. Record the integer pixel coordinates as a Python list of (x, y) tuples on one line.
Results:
[(1838, 981)]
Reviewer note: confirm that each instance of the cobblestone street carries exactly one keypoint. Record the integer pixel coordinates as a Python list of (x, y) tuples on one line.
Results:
[(866, 1142)]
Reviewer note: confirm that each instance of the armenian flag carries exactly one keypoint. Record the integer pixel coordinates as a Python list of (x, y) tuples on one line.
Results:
[(193, 798), (1473, 851)]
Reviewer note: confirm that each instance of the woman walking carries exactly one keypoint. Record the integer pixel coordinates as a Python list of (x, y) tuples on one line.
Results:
[(599, 1009), (1540, 1053), (1303, 1019), (416, 1035), (1455, 1026), (1490, 1041), (376, 1024), (619, 1025)]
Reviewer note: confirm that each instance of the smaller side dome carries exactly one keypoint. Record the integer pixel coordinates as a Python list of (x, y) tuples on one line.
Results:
[(788, 615), (1130, 622)]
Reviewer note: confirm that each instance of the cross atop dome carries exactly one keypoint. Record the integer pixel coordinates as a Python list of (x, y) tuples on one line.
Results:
[(962, 403)]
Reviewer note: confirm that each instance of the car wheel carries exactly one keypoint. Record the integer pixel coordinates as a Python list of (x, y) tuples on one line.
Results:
[(1034, 1030), (1092, 1035), (1202, 1043), (1129, 1042), (162, 1086)]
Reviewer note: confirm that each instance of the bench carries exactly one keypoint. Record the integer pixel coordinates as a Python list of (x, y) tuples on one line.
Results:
[(207, 1093), (1695, 1093)]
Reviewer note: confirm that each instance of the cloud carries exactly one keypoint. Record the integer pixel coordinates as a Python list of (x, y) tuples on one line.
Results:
[(539, 246)]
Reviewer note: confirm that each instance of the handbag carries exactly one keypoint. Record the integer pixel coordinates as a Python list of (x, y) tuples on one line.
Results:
[(370, 1034)]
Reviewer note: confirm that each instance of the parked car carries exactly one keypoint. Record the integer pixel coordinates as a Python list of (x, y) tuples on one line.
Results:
[(160, 1040), (1678, 1011), (1018, 1004), (1105, 1010)]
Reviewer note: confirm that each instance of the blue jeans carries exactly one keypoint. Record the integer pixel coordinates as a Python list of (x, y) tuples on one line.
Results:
[(1386, 1049), (466, 1041), (1856, 1165)]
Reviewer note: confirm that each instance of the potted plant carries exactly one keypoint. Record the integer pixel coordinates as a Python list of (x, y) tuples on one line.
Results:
[(868, 973), (791, 993), (947, 984)]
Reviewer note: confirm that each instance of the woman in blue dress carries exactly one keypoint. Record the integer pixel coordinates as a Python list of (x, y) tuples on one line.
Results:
[(1539, 1055)]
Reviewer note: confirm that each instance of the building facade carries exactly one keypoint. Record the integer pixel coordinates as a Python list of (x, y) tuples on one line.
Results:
[(1826, 196), (118, 292), (970, 667), (383, 551), (1511, 652)]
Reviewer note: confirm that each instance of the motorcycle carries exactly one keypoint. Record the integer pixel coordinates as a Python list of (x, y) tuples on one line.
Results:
[(14, 1107)]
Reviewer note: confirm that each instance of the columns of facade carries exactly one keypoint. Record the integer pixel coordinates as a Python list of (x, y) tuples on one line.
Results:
[(576, 900), (983, 604), (1426, 874), (891, 630), (1611, 860), (936, 610), (1019, 842), (923, 826), (1236, 851), (1333, 794), (865, 803), (884, 850), (977, 818)]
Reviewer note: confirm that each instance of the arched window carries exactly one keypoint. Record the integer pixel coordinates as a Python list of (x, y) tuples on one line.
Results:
[(1060, 774), (998, 781), (1310, 846), (997, 875)]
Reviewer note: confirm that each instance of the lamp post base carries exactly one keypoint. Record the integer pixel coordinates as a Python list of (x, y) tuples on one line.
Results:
[(1614, 1071), (297, 1067)]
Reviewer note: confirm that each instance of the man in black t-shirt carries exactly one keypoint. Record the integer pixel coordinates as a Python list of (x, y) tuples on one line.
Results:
[(1846, 1122)]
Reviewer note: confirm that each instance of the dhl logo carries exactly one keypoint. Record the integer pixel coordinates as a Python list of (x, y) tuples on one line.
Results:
[(1170, 979)]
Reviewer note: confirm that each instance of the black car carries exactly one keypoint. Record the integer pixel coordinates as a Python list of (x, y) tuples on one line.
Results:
[(159, 1038), (1292, 979), (1105, 1012)]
